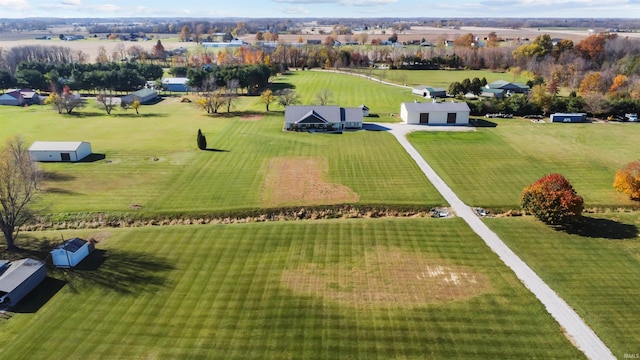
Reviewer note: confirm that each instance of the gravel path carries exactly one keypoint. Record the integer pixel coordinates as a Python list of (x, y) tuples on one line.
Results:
[(585, 339)]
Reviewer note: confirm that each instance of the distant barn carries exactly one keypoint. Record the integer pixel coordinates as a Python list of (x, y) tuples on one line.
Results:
[(18, 278), (59, 150)]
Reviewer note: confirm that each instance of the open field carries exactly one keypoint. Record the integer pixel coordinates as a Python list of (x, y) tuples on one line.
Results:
[(439, 78), (491, 166), (596, 271), (287, 291), (152, 163)]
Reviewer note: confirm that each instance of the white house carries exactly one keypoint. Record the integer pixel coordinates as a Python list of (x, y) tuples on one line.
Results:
[(435, 113), (71, 252), (59, 150), (18, 278), (322, 118)]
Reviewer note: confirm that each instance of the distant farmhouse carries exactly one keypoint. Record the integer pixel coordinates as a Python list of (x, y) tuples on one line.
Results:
[(18, 278), (429, 92), (322, 118), (435, 113), (20, 97), (232, 43), (501, 88)]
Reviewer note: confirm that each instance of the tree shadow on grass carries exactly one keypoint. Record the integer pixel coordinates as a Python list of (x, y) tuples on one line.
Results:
[(215, 150), (137, 116), (277, 86), (121, 271), (600, 228), (57, 176)]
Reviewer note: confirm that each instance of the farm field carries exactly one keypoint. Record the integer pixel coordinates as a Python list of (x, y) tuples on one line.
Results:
[(491, 166), (597, 271), (338, 289), (152, 163)]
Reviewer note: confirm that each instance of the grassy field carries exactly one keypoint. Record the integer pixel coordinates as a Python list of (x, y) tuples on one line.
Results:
[(597, 272), (152, 160), (491, 166), (440, 78), (286, 291)]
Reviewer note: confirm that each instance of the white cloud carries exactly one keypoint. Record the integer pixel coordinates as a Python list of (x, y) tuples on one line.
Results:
[(72, 2), (342, 2), (18, 5), (297, 10)]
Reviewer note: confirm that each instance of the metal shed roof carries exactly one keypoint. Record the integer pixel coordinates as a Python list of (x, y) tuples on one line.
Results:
[(17, 273), (72, 245), (55, 145)]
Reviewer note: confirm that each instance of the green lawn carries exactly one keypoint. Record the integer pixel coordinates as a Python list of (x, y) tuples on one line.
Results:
[(220, 291), (491, 166), (597, 274), (152, 160), (440, 78)]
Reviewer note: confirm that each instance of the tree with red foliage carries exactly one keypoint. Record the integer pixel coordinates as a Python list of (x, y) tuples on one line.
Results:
[(627, 180), (553, 200)]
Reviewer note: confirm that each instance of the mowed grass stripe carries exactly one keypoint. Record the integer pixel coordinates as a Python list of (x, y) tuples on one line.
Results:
[(491, 166), (203, 291), (597, 276)]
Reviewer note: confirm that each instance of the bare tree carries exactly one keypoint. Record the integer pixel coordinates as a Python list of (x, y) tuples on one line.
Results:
[(66, 101), (288, 97), (19, 178), (107, 100), (324, 96)]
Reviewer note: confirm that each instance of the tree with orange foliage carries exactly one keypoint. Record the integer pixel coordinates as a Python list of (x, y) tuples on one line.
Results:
[(627, 180), (619, 83), (467, 40), (552, 200), (592, 47), (591, 83)]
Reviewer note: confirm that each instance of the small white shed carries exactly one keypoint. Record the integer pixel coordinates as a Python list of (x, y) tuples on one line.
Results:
[(59, 150), (71, 252)]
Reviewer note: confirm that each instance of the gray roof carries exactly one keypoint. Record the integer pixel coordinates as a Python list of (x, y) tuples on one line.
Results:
[(331, 113), (17, 272), (72, 245), (436, 106)]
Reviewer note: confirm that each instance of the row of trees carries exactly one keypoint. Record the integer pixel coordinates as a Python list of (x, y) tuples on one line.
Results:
[(125, 76)]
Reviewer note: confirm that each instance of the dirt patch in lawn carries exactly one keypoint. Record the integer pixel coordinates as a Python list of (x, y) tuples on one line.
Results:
[(388, 278), (251, 118), (301, 181)]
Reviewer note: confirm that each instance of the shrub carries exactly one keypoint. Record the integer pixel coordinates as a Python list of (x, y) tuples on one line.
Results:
[(553, 200), (627, 180), (202, 140)]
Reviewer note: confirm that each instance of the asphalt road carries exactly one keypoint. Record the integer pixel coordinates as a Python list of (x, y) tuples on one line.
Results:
[(585, 339)]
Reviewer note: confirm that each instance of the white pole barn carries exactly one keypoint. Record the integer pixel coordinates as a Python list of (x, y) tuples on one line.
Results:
[(59, 150)]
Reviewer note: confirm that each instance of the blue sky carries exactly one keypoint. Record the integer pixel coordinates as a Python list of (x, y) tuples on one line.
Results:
[(321, 8)]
